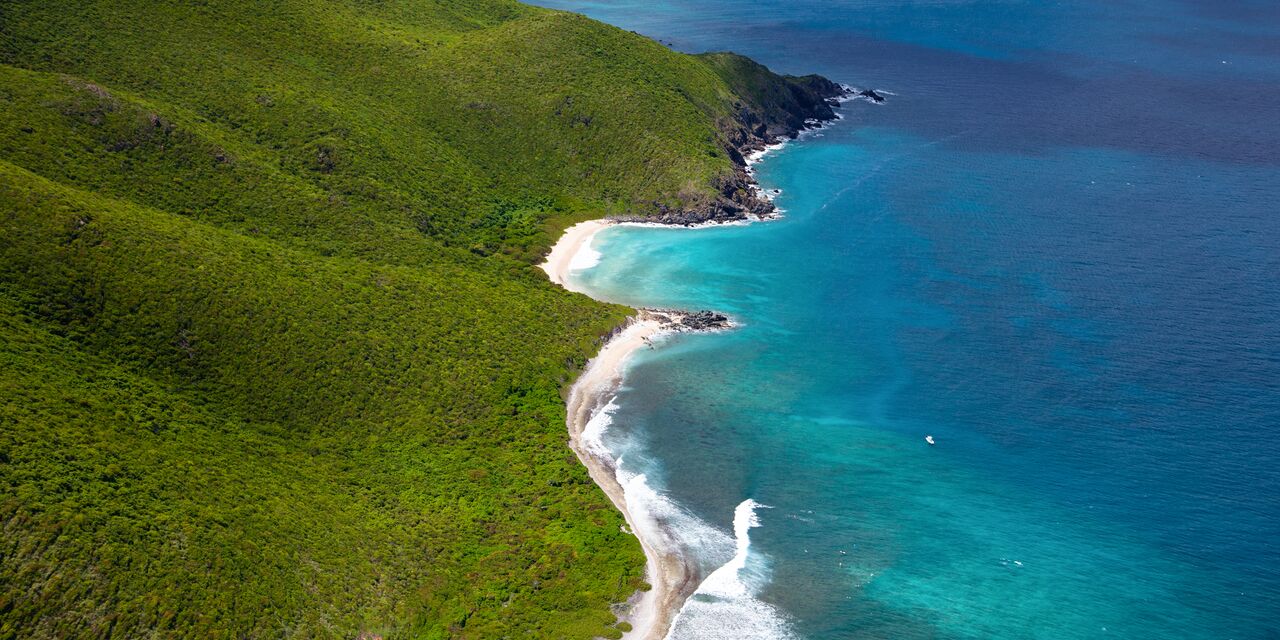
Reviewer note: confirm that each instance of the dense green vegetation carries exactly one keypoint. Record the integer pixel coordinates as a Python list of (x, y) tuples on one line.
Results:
[(773, 105), (273, 360)]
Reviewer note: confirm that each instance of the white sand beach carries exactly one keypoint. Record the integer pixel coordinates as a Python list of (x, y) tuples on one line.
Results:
[(573, 251), (653, 611)]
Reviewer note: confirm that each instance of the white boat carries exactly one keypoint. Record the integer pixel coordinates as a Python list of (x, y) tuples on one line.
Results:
[(928, 439)]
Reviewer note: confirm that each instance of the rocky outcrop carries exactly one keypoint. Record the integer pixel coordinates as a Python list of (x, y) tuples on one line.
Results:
[(770, 108), (736, 198), (871, 94), (676, 320)]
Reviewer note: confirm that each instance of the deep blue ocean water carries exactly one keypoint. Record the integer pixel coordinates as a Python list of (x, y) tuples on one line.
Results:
[(1056, 248)]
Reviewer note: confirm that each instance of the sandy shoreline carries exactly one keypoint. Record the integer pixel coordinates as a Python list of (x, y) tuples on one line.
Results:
[(561, 259), (673, 577), (651, 612)]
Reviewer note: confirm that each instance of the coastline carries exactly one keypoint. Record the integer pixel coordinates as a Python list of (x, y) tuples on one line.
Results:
[(670, 575), (565, 254), (673, 577)]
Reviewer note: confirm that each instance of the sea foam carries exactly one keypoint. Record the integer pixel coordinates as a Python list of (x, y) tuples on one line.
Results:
[(586, 257), (726, 582), (662, 522), (725, 606), (666, 524), (592, 436)]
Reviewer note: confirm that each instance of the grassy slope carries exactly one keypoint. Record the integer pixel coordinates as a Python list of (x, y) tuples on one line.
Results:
[(323, 446), (273, 360), (476, 136)]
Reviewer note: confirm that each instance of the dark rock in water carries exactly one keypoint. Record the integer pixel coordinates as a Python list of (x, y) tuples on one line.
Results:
[(871, 95), (704, 321), (675, 320)]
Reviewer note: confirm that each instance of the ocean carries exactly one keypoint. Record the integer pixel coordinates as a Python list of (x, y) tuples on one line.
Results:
[(1055, 249)]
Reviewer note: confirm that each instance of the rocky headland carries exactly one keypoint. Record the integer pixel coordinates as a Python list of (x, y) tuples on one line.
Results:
[(772, 108)]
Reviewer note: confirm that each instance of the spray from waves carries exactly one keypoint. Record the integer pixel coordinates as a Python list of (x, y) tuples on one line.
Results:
[(666, 524), (586, 257), (592, 436), (661, 521), (726, 582), (725, 606)]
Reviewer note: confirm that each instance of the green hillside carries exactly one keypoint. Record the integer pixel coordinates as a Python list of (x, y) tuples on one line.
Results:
[(273, 359)]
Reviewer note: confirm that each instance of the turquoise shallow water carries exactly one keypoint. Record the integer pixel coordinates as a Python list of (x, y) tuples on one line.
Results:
[(1056, 250)]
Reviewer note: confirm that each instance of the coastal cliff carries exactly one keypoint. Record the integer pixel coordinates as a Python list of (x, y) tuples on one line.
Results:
[(768, 108)]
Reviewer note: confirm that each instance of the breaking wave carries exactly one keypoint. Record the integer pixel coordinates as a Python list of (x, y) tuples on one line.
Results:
[(726, 606)]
